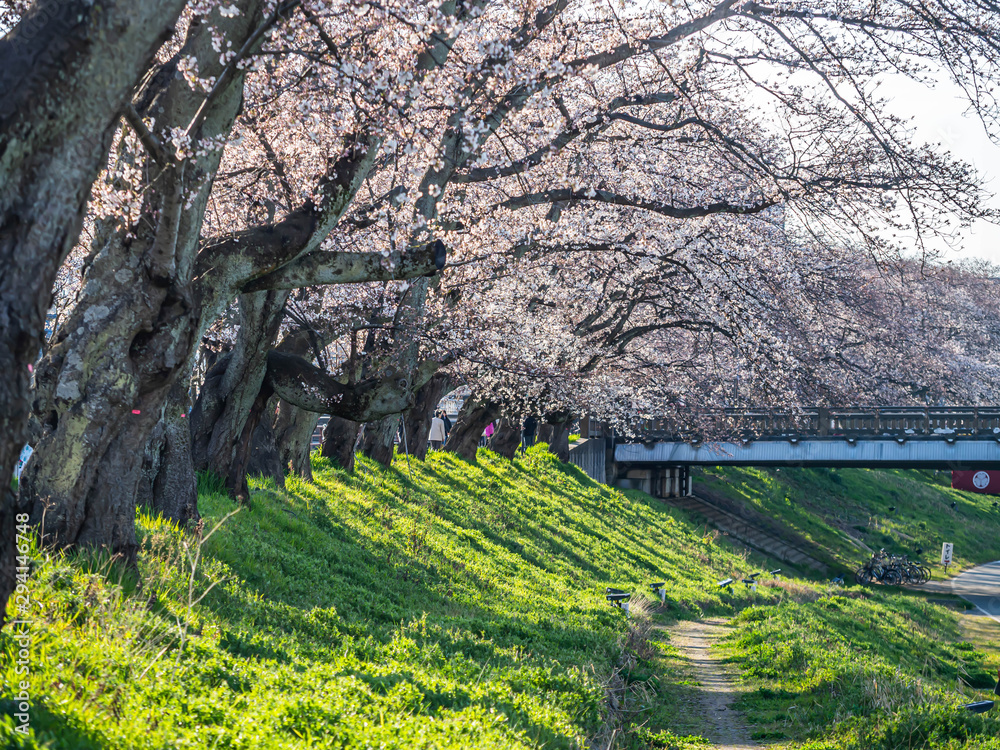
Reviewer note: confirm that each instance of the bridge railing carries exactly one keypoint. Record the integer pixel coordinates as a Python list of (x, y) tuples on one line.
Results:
[(849, 422)]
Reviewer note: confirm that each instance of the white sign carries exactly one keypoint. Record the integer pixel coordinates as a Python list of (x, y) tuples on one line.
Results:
[(981, 480), (25, 455), (946, 550)]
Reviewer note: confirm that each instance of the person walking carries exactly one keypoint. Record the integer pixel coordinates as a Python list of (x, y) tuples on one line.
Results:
[(437, 434), (447, 424), (528, 430), (487, 434)]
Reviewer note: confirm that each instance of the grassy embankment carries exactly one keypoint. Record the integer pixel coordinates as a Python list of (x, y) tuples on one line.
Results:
[(854, 668), (864, 670), (455, 606), (446, 605), (827, 668), (844, 513)]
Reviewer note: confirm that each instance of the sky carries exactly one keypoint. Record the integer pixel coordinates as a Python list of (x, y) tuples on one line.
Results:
[(940, 117)]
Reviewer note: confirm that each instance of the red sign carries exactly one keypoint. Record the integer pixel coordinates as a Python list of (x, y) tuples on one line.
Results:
[(977, 481)]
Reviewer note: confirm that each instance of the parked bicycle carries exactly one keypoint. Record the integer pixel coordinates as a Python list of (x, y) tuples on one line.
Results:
[(892, 570)]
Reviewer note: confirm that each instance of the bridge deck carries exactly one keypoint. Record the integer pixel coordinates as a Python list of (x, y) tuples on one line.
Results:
[(966, 453), (888, 421)]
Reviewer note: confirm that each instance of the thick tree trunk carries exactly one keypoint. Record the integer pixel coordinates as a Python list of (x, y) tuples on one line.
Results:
[(468, 428), (293, 431), (555, 431), (417, 420), (100, 513), (241, 387), (559, 444), (380, 439), (339, 439), (236, 479), (66, 71), (206, 410), (506, 439), (167, 483), (265, 459)]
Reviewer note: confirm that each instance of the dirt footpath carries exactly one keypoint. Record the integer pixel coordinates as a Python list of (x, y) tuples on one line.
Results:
[(722, 724)]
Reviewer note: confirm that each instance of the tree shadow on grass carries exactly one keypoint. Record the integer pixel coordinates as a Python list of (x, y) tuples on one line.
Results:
[(435, 701), (364, 586)]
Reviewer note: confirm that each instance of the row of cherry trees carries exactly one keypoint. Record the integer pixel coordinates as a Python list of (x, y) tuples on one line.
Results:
[(255, 212)]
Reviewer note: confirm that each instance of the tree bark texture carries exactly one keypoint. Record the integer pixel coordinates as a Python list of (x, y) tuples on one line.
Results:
[(560, 441), (417, 420), (265, 459), (506, 439), (234, 397), (66, 70), (167, 483), (339, 439), (380, 439), (241, 386), (293, 431), (468, 428), (206, 410), (555, 431)]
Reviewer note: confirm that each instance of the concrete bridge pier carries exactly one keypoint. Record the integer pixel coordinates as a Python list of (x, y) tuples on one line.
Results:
[(659, 481)]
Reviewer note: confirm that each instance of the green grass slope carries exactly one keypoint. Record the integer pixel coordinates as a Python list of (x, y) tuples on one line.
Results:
[(434, 604), (859, 669), (843, 513)]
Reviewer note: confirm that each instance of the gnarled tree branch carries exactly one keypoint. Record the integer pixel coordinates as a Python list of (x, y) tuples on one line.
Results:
[(664, 209), (304, 385), (348, 268)]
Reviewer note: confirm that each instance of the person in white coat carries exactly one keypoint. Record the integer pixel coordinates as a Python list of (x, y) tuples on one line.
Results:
[(437, 435)]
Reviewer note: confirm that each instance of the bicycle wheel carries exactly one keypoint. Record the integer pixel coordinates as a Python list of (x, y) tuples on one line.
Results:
[(863, 576)]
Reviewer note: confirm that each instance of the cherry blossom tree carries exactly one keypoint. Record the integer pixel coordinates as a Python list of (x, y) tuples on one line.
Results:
[(706, 333), (726, 113), (159, 274)]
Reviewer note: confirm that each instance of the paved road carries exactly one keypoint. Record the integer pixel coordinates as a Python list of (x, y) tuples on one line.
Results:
[(981, 587)]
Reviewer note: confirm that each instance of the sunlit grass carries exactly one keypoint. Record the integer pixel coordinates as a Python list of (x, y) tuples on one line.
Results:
[(431, 604)]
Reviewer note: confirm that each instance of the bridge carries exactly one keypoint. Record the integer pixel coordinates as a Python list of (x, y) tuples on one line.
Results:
[(657, 455)]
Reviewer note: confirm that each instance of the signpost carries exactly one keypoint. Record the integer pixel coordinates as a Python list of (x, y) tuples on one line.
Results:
[(946, 554)]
